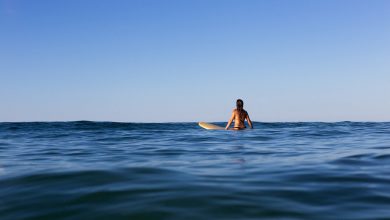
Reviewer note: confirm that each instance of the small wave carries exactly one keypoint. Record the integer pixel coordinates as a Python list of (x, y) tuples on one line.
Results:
[(357, 159), (382, 157), (101, 170)]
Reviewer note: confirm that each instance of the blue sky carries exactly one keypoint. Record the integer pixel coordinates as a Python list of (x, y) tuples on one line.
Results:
[(170, 61)]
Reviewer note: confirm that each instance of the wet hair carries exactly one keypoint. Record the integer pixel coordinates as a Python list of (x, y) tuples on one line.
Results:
[(240, 105), (240, 109)]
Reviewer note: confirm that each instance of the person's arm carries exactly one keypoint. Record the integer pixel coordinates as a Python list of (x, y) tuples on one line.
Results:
[(230, 121), (249, 121)]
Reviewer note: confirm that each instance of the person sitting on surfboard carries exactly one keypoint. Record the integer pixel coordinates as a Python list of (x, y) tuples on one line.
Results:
[(238, 116)]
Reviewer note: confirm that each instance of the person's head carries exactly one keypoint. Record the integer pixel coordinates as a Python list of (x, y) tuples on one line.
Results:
[(240, 104)]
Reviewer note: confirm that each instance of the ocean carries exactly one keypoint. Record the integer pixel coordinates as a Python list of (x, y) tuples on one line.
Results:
[(109, 170)]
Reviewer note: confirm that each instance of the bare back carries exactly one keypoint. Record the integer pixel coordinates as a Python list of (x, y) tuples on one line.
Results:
[(239, 118), (239, 115)]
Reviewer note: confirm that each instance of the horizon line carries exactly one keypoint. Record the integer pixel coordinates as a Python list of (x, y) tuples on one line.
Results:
[(178, 122)]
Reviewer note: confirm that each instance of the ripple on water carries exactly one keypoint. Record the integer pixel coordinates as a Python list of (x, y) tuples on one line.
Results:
[(102, 170)]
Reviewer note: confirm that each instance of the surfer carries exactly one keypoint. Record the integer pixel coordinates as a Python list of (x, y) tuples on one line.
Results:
[(238, 116)]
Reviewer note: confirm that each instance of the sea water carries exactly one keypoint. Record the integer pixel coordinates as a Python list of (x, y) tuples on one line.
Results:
[(107, 170)]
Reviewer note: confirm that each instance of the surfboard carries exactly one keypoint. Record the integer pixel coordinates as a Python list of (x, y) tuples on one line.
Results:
[(209, 126)]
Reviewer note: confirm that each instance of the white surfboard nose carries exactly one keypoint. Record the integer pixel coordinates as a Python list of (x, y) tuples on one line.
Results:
[(210, 126)]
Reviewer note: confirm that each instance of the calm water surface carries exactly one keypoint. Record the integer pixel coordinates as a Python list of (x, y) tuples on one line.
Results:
[(106, 170)]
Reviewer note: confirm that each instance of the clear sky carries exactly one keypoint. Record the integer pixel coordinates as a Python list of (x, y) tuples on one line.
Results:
[(183, 60)]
